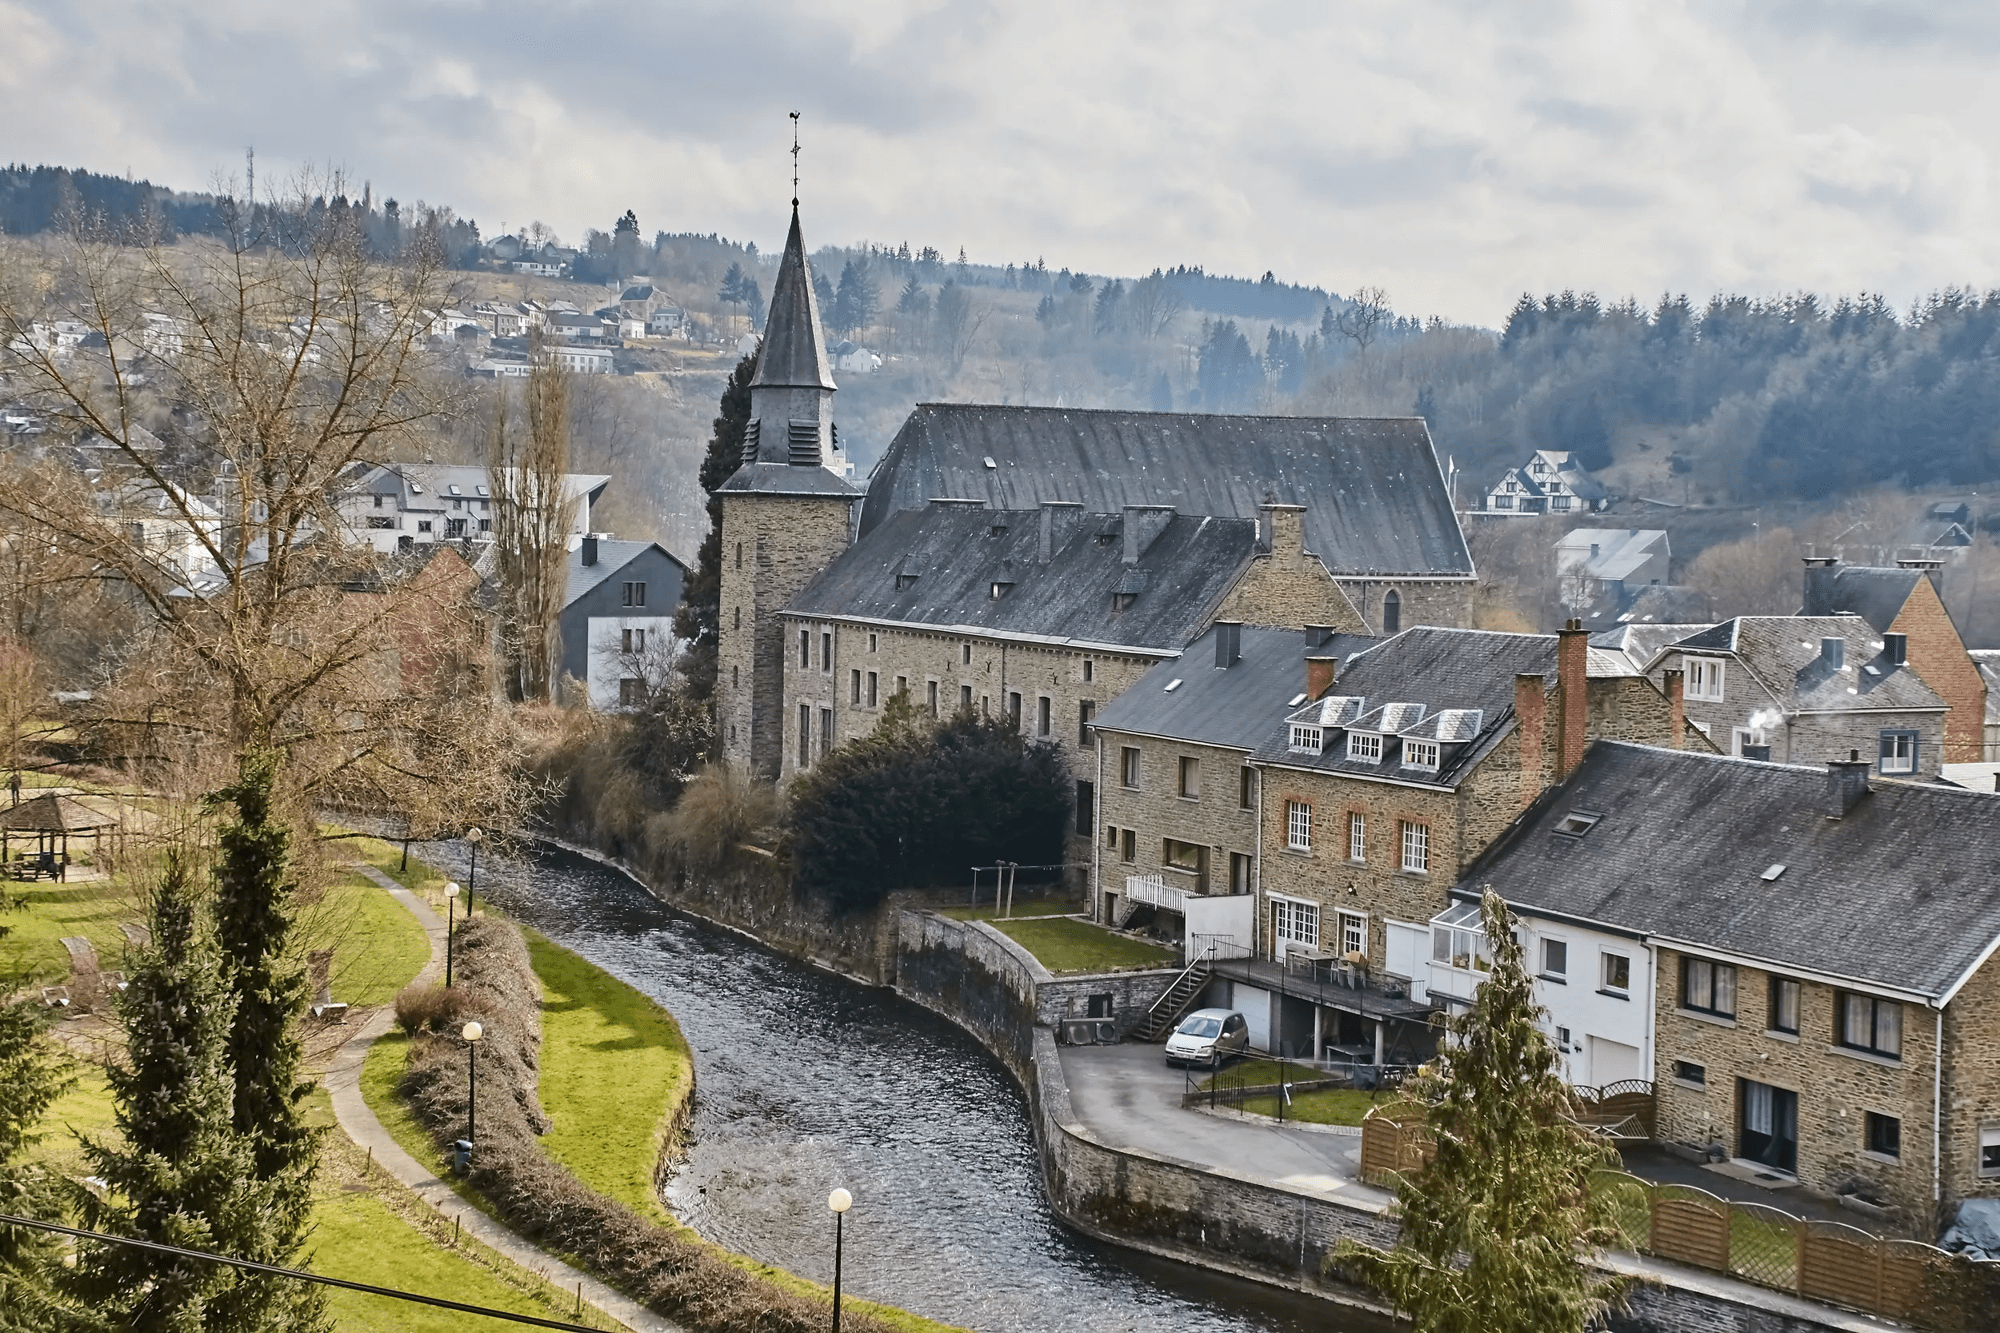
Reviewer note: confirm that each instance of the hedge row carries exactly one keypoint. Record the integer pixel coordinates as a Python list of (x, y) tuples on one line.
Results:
[(673, 1272)]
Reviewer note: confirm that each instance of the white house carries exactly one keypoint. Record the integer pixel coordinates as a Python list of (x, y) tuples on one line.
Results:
[(585, 360), (394, 506), (1551, 482), (666, 321), (1595, 980)]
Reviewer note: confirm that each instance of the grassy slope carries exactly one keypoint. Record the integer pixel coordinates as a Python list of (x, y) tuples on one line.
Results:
[(1036, 907), (1065, 945), (49, 911)]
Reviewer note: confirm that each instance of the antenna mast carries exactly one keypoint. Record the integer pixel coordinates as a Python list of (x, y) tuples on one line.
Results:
[(795, 159)]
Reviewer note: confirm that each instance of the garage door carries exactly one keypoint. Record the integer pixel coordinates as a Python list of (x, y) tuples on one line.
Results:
[(1612, 1061)]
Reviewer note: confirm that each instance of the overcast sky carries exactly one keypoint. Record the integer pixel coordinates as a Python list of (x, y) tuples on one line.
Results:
[(1455, 154)]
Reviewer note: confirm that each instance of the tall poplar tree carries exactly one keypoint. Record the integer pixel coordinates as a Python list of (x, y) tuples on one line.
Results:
[(178, 1173), (1496, 1226), (699, 616)]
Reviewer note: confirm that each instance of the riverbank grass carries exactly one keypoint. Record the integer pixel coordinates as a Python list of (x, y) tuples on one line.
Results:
[(1022, 908), (1066, 944)]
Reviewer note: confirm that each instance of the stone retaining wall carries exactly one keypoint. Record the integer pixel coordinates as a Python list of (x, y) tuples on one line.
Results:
[(988, 985)]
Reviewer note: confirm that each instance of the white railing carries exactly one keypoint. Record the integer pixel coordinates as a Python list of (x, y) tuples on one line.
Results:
[(1153, 891)]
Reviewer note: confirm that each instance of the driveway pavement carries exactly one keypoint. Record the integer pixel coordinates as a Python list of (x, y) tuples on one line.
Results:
[(1129, 1098)]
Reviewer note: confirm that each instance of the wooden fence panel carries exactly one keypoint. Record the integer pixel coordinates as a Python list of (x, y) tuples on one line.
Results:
[(1842, 1265), (1692, 1231), (1906, 1270)]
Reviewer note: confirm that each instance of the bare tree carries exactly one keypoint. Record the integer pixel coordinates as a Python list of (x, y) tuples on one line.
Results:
[(1361, 318), (202, 436), (1153, 304), (958, 323), (533, 514), (641, 653)]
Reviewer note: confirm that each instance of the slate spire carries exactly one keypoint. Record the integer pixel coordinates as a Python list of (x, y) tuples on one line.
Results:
[(794, 355)]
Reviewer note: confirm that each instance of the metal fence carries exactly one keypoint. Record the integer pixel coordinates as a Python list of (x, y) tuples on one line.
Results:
[(1821, 1261)]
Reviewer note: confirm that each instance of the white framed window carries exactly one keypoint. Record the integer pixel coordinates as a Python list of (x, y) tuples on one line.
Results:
[(1704, 678), (1617, 971), (1306, 739), (1989, 1151), (1416, 846), (1298, 826), (1295, 922), (1899, 752), (1357, 836), (1364, 746), (1555, 959), (1421, 755), (1353, 934)]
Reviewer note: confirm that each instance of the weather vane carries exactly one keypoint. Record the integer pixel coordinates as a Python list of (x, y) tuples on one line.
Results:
[(795, 159)]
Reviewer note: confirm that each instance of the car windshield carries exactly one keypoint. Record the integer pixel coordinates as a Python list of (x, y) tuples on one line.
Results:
[(1201, 1027)]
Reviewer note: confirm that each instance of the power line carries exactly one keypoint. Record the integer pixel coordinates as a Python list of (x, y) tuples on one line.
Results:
[(253, 1266)]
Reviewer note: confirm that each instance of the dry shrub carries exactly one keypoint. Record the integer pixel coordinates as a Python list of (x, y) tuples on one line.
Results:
[(719, 810), (431, 1007), (672, 1271)]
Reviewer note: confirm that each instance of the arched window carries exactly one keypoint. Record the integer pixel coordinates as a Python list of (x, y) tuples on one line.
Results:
[(1392, 612)]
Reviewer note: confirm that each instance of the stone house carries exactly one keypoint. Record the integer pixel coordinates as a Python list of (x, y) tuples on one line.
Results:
[(1176, 794), (1392, 770), (1905, 601), (1292, 521), (1826, 1006), (1801, 689)]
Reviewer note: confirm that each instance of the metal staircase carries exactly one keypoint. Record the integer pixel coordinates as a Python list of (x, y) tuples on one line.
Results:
[(1170, 1008)]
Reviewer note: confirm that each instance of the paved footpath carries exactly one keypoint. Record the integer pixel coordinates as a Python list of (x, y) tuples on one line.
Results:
[(343, 1081)]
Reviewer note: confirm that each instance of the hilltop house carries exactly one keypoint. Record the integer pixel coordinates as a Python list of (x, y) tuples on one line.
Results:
[(1811, 952), (1551, 482), (1904, 601), (1800, 689), (394, 506), (1601, 571), (1033, 561), (617, 618)]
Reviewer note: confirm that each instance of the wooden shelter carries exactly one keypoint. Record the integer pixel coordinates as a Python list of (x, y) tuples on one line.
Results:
[(49, 820)]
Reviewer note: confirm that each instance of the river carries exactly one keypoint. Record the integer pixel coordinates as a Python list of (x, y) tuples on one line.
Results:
[(806, 1081)]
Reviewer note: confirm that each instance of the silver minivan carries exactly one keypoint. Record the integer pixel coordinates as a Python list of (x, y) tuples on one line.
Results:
[(1208, 1037)]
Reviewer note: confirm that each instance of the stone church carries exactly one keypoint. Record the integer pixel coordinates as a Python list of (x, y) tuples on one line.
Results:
[(1036, 561)]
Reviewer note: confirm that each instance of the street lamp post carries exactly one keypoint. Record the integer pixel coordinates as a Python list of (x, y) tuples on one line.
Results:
[(450, 920), (472, 1032), (474, 837), (838, 1203)]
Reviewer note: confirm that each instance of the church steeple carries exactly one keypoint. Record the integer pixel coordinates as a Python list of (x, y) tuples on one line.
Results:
[(791, 395)]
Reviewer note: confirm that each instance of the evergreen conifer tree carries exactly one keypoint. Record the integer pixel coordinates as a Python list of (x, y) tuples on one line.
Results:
[(857, 301), (181, 1175), (699, 616), (30, 1082), (253, 918), (1495, 1226)]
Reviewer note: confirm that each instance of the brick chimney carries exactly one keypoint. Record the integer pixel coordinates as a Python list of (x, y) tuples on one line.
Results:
[(1572, 695), (1531, 715), (1677, 712), (1320, 673), (1846, 784), (1820, 576)]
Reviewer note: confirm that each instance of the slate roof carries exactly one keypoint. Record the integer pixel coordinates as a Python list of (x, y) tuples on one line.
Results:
[(1438, 669), (1611, 553), (1875, 594), (1902, 892), (794, 350), (1376, 500), (612, 556), (1783, 652), (1641, 643), (1234, 706), (425, 486), (784, 479), (1988, 662), (1668, 603), (947, 559)]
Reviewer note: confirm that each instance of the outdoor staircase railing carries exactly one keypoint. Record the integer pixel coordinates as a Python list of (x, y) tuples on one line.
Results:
[(1179, 997)]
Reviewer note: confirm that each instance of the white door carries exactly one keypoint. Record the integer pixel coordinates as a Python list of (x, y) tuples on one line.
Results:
[(1409, 955), (1612, 1061)]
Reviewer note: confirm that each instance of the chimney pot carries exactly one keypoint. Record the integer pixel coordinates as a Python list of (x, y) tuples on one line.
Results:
[(1897, 648), (1846, 784), (1228, 643)]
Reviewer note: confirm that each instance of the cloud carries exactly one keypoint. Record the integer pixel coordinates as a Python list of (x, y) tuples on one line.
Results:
[(1455, 153)]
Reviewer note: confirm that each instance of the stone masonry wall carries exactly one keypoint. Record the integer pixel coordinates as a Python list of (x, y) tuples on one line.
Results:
[(772, 546), (1937, 654), (1155, 811), (1446, 602), (1971, 1084), (1288, 587), (1835, 1088)]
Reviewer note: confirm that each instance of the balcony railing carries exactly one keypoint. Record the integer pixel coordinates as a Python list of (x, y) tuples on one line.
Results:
[(1152, 891)]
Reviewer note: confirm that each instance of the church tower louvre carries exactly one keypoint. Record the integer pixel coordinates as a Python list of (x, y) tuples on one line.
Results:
[(786, 515)]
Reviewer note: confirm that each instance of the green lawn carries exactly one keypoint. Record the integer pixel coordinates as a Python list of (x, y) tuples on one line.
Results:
[(47, 911), (378, 945), (1323, 1106), (1066, 945), (1249, 1072), (608, 1127), (1022, 907), (385, 856)]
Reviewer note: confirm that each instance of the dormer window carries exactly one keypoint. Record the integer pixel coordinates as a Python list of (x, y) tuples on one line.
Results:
[(1704, 678), (1001, 590), (1421, 755), (1307, 740), (1364, 747)]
